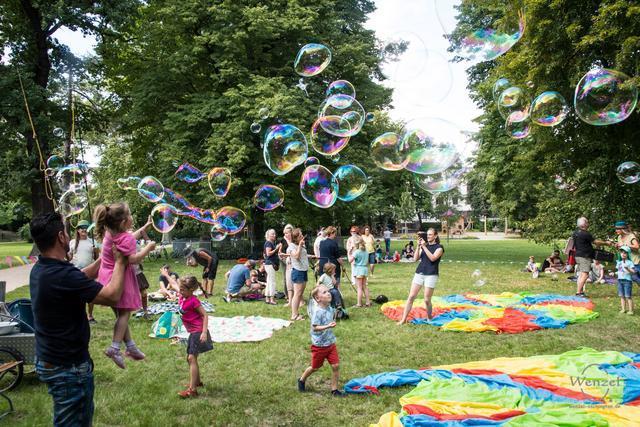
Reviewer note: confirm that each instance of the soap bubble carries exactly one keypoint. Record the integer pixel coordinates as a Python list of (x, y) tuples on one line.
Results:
[(432, 145), (150, 189), (628, 172), (512, 99), (55, 162), (478, 278), (549, 109), (605, 97), (207, 216), (499, 86), (318, 186), (217, 235), (341, 87), (312, 59), (70, 176), (263, 113), (404, 56), (370, 117), (58, 132), (442, 182), (388, 152), (189, 173), (255, 127), (175, 163), (352, 182), (268, 197), (129, 183), (335, 158), (347, 115), (517, 126), (486, 44), (219, 181), (49, 172), (530, 84), (324, 142), (311, 161), (178, 201), (285, 147), (164, 217), (231, 220), (73, 202)]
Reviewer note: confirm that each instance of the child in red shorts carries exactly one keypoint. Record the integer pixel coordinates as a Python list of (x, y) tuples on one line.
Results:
[(323, 340)]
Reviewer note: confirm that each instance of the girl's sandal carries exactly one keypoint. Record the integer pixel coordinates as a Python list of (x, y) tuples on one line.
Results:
[(368, 305), (299, 317)]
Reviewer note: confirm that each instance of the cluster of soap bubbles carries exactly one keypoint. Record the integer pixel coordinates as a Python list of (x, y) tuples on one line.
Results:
[(69, 182), (319, 187), (263, 114)]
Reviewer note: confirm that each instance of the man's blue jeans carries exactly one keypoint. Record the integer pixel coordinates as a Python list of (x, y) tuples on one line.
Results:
[(387, 245), (72, 391)]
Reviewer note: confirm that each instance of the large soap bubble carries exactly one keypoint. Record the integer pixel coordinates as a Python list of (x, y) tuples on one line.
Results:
[(164, 217), (500, 86), (322, 141), (341, 87), (207, 216), (71, 176), (312, 59), (352, 182), (443, 182), (605, 97), (189, 173), (628, 172), (217, 235), (285, 147), (219, 181), (178, 201), (318, 186), (55, 162), (486, 44), (388, 152), (311, 161), (268, 197), (548, 109), (432, 145), (517, 125), (511, 100), (231, 220), (129, 183), (73, 202), (150, 189), (346, 113)]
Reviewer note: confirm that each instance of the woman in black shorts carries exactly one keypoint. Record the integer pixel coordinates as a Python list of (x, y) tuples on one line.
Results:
[(209, 261)]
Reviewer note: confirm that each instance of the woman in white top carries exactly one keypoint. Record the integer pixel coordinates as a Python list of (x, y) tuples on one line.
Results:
[(82, 252), (299, 268)]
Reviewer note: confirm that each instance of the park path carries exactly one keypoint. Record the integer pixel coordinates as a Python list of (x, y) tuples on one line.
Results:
[(16, 277)]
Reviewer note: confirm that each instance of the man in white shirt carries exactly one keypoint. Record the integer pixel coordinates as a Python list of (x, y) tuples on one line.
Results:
[(387, 241), (316, 243)]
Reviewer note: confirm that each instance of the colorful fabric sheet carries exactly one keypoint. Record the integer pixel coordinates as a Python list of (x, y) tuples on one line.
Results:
[(581, 387), (503, 313), (241, 328), (172, 306)]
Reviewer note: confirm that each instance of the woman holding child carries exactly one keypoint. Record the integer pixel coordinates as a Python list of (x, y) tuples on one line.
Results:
[(429, 252)]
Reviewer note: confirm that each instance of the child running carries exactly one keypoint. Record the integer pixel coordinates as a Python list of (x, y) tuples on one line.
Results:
[(328, 280), (359, 257), (196, 321), (625, 269), (323, 341), (112, 222)]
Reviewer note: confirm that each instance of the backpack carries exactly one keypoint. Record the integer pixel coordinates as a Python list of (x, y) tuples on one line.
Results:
[(167, 326)]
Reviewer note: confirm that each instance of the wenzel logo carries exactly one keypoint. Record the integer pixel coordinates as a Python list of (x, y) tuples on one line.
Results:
[(592, 377)]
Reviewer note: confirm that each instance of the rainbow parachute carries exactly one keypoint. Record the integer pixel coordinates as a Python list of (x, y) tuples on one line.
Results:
[(504, 313), (581, 387)]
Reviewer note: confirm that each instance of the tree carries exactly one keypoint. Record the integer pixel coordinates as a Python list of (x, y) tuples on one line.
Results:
[(406, 211), (191, 77), (561, 42), (27, 32)]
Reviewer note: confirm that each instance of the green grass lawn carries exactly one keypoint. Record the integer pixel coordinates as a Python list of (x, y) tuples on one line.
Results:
[(254, 384), (14, 248)]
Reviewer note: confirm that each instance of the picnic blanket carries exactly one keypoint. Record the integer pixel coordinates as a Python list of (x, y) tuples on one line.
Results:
[(510, 313), (583, 387), (241, 328), (172, 306)]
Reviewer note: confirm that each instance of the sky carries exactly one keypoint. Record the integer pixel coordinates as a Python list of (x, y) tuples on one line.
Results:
[(426, 85)]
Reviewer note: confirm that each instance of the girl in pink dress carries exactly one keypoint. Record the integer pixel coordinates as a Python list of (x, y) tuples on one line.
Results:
[(112, 222)]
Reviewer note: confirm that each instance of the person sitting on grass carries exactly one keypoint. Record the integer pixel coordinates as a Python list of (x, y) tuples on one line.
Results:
[(596, 275), (239, 281), (555, 263), (378, 252), (196, 322), (323, 341), (168, 282), (532, 267), (256, 283), (396, 257), (328, 280), (625, 269)]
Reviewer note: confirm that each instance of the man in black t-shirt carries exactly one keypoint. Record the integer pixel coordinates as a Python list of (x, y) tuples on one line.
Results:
[(583, 242), (59, 294)]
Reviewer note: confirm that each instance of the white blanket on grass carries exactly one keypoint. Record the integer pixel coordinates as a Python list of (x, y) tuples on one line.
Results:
[(241, 328)]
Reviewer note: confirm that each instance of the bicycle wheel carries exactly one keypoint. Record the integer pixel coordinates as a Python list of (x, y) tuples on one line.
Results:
[(10, 378)]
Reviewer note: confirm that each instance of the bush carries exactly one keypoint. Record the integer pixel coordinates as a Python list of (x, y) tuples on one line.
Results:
[(25, 234)]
